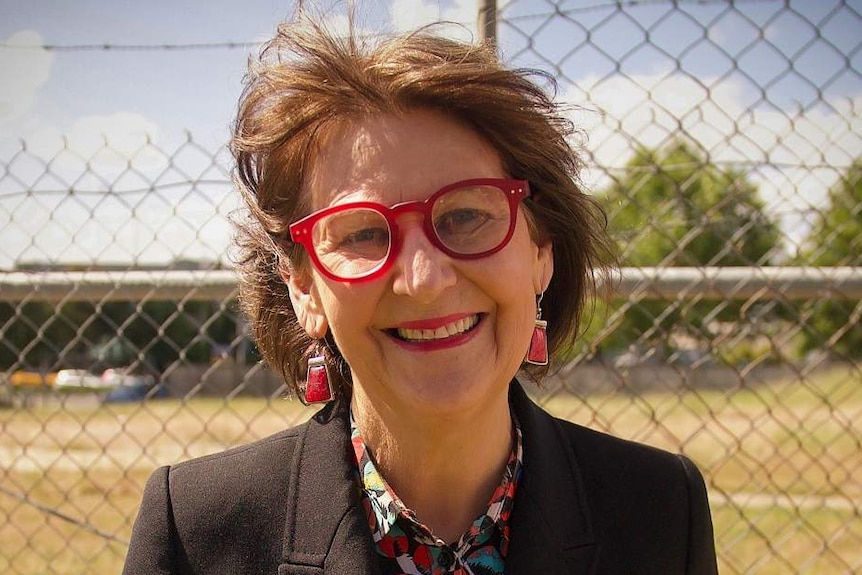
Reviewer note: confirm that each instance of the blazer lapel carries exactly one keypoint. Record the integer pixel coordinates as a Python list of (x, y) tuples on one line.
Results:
[(551, 527), (326, 529), (327, 532)]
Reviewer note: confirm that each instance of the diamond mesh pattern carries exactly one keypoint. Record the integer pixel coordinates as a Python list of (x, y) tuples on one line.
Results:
[(725, 141)]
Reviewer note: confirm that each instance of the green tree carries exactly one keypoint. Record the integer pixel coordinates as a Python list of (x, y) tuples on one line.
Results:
[(160, 332), (39, 335), (671, 207), (836, 240), (43, 336)]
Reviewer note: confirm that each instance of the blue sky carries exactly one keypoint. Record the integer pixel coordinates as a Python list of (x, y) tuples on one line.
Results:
[(723, 71), (193, 89)]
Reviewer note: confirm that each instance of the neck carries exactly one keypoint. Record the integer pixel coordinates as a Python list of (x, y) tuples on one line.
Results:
[(443, 467)]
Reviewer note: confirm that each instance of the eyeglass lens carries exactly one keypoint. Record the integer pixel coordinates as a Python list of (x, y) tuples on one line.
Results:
[(466, 221)]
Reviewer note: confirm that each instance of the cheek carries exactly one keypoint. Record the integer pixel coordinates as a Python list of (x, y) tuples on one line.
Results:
[(516, 267), (517, 289), (525, 317), (348, 307), (515, 328), (344, 317), (514, 295)]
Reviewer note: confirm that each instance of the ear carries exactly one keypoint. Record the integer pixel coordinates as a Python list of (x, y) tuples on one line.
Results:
[(306, 301), (543, 268)]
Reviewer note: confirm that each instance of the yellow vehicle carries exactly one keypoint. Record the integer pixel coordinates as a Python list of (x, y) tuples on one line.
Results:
[(32, 379)]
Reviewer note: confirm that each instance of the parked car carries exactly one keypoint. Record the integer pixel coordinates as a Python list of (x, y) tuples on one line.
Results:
[(80, 380), (115, 377), (32, 379), (131, 386)]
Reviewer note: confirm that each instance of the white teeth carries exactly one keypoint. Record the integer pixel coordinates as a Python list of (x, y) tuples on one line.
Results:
[(443, 332)]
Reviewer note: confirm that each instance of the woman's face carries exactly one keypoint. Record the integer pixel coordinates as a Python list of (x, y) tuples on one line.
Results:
[(487, 305)]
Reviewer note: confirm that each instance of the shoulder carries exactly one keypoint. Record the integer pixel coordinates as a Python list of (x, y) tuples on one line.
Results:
[(642, 498), (252, 475), (617, 476), (617, 455), (228, 512), (592, 452), (262, 455), (645, 509), (214, 508), (236, 487), (621, 472), (620, 468)]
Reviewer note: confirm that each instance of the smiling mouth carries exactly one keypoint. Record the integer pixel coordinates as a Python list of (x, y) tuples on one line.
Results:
[(459, 327)]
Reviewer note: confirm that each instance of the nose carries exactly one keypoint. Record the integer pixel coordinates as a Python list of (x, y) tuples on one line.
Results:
[(422, 271)]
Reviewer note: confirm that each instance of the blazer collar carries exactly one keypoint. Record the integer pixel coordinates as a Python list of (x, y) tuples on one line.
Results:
[(551, 527), (327, 530)]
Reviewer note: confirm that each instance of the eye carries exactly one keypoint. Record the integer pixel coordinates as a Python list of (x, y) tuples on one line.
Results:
[(352, 233), (461, 221), (364, 239)]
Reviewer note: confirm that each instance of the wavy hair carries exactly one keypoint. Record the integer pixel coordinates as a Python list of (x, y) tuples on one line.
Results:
[(307, 82)]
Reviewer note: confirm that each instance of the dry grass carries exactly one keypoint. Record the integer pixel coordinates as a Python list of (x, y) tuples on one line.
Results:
[(73, 472), (783, 463)]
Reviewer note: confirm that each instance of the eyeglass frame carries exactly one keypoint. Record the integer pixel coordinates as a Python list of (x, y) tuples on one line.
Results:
[(301, 230)]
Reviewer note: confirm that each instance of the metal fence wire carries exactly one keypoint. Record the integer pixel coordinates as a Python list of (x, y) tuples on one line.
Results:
[(725, 139)]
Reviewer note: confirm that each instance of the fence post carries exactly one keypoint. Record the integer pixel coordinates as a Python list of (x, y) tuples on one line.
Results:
[(487, 22)]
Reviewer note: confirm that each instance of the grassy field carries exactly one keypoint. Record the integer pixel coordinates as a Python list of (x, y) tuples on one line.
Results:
[(783, 464)]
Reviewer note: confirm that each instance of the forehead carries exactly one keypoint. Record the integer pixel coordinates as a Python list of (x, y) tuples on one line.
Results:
[(394, 158)]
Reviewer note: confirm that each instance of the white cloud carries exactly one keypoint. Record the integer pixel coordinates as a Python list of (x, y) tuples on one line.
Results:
[(797, 155), (23, 69), (99, 152), (105, 189), (337, 23), (407, 15), (623, 111)]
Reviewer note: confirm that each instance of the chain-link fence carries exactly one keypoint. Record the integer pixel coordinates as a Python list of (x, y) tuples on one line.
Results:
[(726, 142)]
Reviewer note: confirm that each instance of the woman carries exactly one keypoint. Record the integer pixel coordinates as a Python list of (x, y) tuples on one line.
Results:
[(416, 236)]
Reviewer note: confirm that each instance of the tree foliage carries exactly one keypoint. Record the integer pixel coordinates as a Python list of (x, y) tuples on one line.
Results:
[(150, 335), (836, 240), (671, 207), (836, 236)]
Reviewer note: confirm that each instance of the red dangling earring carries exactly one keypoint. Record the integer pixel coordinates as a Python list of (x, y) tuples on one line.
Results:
[(538, 352), (318, 387)]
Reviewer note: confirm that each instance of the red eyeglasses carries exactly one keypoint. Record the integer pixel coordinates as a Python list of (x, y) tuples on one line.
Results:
[(358, 241)]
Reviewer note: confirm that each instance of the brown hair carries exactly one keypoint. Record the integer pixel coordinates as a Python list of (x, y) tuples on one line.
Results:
[(308, 82)]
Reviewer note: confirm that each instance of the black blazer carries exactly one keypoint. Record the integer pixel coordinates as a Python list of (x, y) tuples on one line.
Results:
[(588, 503)]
